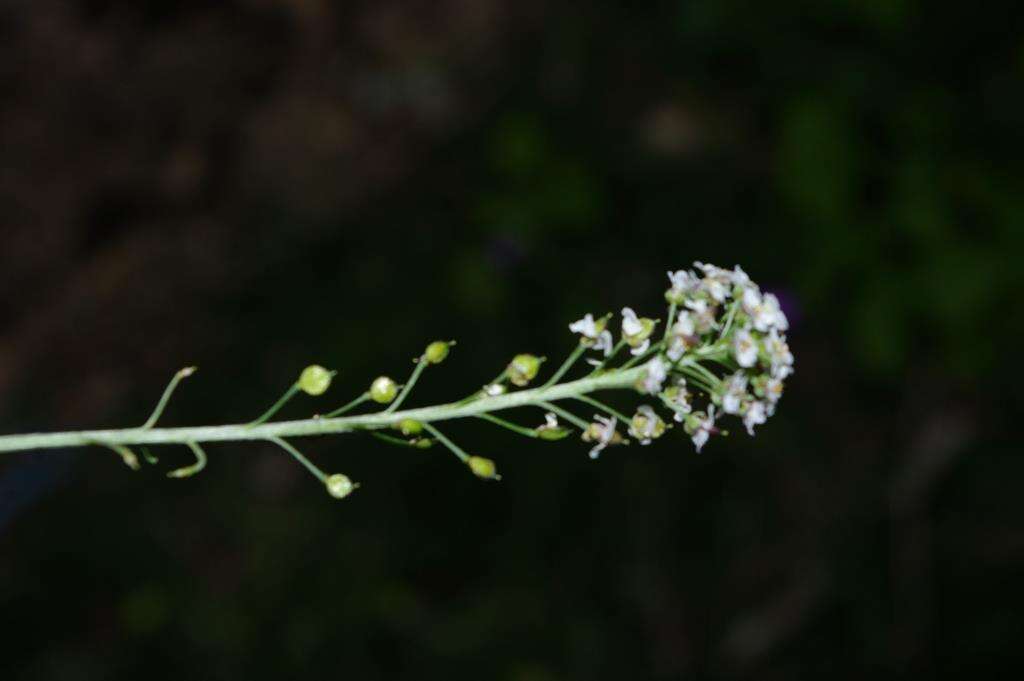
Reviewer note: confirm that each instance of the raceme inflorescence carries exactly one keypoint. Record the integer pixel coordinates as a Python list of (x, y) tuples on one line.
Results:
[(721, 353)]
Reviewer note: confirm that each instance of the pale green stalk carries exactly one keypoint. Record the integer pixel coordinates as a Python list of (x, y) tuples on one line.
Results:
[(611, 380)]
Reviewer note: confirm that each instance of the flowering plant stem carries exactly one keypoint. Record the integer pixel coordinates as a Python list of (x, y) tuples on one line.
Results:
[(609, 380)]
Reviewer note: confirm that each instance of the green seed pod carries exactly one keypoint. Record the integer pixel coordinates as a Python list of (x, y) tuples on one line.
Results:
[(523, 369), (409, 427), (315, 380), (483, 468), (437, 351), (339, 486), (383, 390), (553, 433), (423, 443)]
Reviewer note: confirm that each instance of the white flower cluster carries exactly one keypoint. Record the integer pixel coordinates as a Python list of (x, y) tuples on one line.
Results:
[(720, 307), (717, 316)]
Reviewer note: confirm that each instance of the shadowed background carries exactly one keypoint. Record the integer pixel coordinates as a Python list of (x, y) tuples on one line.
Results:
[(254, 185)]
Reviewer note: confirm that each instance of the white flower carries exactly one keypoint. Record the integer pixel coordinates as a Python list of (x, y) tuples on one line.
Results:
[(744, 348), (716, 281), (676, 348), (681, 336), (704, 429), (586, 327), (631, 325), (550, 421), (646, 425), (703, 316), (604, 342), (604, 430), (773, 312), (684, 325), (678, 399), (778, 354), (494, 389), (684, 283), (764, 311), (754, 416), (735, 393), (773, 390), (739, 277), (657, 372)]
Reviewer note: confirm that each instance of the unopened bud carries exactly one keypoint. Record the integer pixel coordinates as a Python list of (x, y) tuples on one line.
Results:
[(315, 380), (409, 427), (383, 390), (483, 468), (437, 351), (523, 369), (339, 486)]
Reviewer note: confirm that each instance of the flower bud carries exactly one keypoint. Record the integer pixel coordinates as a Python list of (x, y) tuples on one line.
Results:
[(483, 468), (437, 351), (523, 369), (409, 427), (494, 389), (423, 443), (339, 486), (315, 380), (383, 390)]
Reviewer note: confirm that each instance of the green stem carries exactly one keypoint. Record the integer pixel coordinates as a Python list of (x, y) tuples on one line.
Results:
[(289, 394), (310, 466), (456, 450), (611, 355), (421, 364), (522, 430), (642, 356), (168, 391), (351, 405), (612, 380), (188, 471), (671, 320), (391, 439), (567, 415), (603, 407), (566, 365)]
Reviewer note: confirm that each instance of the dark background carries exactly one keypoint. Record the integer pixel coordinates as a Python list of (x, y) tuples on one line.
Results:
[(253, 185)]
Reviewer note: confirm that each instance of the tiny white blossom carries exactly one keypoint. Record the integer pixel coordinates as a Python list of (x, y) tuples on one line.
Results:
[(716, 281), (631, 325), (683, 283), (735, 393), (754, 416), (739, 277), (678, 399), (657, 372), (550, 421), (773, 390), (585, 327), (703, 315), (704, 429), (604, 342), (676, 348), (744, 348), (494, 389), (773, 311), (605, 432), (779, 355), (650, 424), (640, 349)]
